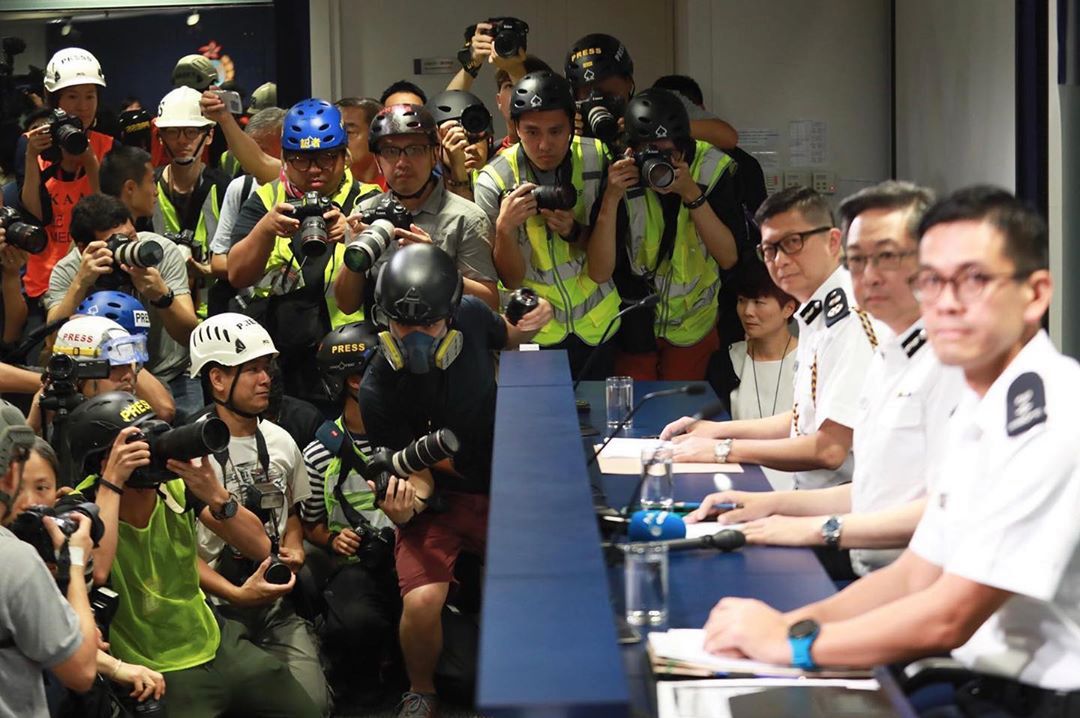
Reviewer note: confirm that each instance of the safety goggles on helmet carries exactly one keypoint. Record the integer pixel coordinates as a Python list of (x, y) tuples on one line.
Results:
[(120, 350)]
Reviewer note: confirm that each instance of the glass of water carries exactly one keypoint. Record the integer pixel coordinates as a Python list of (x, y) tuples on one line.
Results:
[(620, 400), (657, 486), (646, 574)]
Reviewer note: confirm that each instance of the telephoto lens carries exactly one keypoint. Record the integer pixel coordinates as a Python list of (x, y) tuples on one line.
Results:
[(22, 235), (522, 301), (657, 170), (381, 220), (555, 196), (277, 573), (134, 252), (603, 124), (425, 452), (184, 443)]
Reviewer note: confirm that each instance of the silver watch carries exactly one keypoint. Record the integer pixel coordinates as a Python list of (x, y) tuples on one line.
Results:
[(721, 450), (830, 531)]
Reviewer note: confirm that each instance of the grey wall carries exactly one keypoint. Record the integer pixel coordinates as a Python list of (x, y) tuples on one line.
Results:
[(956, 92)]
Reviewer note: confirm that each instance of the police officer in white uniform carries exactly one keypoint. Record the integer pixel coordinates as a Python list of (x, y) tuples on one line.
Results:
[(801, 248), (993, 571), (906, 400)]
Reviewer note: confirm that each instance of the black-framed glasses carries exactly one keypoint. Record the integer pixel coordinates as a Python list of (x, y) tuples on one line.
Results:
[(886, 261), (789, 244), (393, 152), (968, 285), (190, 133), (322, 160)]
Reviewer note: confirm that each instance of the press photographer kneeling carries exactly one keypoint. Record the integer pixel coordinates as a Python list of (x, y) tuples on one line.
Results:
[(149, 556)]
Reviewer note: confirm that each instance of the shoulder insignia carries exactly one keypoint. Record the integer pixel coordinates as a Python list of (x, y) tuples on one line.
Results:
[(836, 306), (810, 311), (1025, 404), (867, 326), (914, 342)]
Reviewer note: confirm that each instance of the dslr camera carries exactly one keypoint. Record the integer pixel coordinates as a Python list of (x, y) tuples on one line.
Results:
[(656, 168), (599, 115), (381, 220), (23, 235), (421, 454), (29, 526), (475, 119), (134, 252), (310, 209), (67, 134), (62, 376), (522, 301), (265, 499), (508, 36), (555, 196), (376, 550), (185, 240), (204, 437)]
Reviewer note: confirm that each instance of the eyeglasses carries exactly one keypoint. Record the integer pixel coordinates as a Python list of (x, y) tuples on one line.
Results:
[(885, 261), (968, 285), (324, 161), (393, 152), (190, 133), (789, 245)]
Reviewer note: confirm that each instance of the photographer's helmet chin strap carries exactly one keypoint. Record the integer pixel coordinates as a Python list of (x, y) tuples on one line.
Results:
[(185, 161), (228, 403), (417, 193)]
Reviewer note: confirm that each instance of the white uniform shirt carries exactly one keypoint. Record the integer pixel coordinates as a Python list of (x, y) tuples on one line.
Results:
[(906, 402), (836, 342), (1005, 512), (287, 472)]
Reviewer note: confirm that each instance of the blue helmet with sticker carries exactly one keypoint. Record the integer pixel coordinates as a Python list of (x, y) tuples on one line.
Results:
[(312, 125), (124, 309)]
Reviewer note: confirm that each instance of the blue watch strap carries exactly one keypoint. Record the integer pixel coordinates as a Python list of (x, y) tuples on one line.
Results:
[(800, 650)]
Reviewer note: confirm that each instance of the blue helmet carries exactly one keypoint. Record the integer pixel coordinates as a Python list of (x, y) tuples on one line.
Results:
[(124, 309), (312, 125)]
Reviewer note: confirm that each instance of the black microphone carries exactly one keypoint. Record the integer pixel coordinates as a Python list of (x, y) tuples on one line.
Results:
[(689, 389), (723, 540), (708, 411), (649, 302), (17, 354)]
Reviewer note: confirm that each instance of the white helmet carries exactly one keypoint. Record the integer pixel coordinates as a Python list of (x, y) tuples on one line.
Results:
[(84, 338), (72, 66), (228, 339), (180, 108)]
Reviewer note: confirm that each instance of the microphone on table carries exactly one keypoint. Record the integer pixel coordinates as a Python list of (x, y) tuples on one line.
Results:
[(646, 302), (709, 411), (724, 540), (646, 525), (688, 389)]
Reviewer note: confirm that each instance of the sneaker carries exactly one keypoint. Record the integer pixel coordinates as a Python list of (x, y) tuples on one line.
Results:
[(418, 705)]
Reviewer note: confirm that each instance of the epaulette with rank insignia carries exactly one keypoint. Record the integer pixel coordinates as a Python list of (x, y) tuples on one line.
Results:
[(836, 306)]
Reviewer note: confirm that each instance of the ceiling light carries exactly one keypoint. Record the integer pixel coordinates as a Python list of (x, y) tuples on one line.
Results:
[(193, 18)]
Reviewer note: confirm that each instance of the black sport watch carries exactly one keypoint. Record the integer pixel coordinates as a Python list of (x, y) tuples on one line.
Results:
[(227, 510), (165, 301)]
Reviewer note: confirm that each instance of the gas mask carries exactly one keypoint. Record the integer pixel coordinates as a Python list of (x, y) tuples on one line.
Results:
[(419, 353)]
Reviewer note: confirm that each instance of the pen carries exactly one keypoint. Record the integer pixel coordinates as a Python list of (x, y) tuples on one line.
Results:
[(688, 506)]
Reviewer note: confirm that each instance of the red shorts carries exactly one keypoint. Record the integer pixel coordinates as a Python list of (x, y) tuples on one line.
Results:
[(670, 362), (428, 546)]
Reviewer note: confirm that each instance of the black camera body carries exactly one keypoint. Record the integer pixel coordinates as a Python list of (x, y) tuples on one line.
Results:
[(264, 498), (204, 437), (421, 454), (67, 134), (600, 116), (376, 550), (656, 167), (23, 235), (29, 526), (310, 209), (555, 196), (62, 376), (509, 36), (186, 238), (475, 119), (381, 220), (522, 301)]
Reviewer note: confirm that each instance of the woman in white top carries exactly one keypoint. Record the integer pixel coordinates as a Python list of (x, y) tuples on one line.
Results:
[(765, 362)]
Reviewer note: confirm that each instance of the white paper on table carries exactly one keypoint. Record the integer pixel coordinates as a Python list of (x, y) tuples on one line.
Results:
[(623, 456), (708, 528), (709, 698)]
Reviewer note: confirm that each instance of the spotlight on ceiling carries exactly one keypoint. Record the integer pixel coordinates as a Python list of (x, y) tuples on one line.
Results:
[(193, 18)]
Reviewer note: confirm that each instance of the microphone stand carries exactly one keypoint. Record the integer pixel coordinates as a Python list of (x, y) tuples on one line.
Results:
[(692, 389), (650, 301)]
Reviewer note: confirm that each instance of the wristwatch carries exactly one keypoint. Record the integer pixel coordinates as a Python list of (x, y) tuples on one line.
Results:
[(164, 301), (722, 449), (801, 636), (227, 510), (830, 531)]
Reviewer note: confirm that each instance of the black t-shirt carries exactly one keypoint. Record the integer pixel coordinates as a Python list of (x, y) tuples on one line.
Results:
[(399, 407)]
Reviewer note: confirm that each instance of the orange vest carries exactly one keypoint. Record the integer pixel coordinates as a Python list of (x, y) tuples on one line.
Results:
[(63, 195)]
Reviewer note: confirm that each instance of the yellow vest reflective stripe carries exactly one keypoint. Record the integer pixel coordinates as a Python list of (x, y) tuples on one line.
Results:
[(166, 219), (229, 164), (557, 270), (281, 259), (688, 282), (355, 490)]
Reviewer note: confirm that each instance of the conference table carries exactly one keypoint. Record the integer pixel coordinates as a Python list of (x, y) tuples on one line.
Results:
[(548, 643)]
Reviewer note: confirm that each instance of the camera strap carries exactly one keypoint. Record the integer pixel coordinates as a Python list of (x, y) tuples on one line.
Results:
[(261, 451), (349, 462), (670, 205)]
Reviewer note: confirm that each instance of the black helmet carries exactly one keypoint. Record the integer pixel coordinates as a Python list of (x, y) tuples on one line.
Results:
[(419, 285), (135, 127), (540, 91), (656, 114), (401, 119), (596, 56), (344, 352), (94, 424), (463, 106)]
